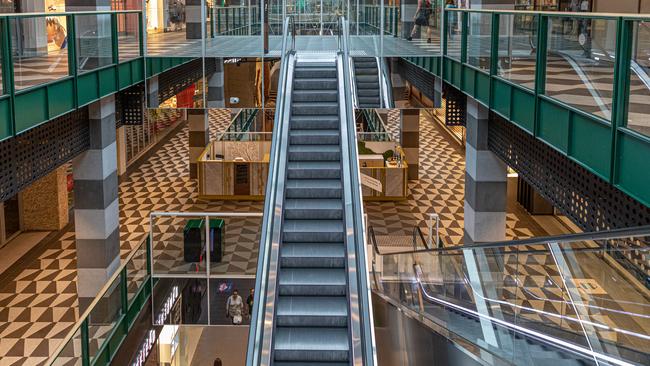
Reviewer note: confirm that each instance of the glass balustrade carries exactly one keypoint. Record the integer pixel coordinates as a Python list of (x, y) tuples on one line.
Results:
[(639, 101), (94, 43), (567, 298), (517, 48)]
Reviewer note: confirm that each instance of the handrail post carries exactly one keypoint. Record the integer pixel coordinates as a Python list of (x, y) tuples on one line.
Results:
[(73, 70), (540, 70), (9, 86), (85, 351), (621, 93)]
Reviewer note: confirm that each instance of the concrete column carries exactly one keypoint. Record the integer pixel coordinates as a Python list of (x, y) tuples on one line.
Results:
[(44, 204), (437, 92), (216, 92), (485, 181), (121, 149), (152, 92), (193, 21), (410, 140), (96, 211), (199, 136)]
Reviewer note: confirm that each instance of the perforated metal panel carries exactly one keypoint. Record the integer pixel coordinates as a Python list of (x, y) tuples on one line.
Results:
[(131, 106), (179, 78), (35, 153), (591, 203), (419, 78), (455, 102)]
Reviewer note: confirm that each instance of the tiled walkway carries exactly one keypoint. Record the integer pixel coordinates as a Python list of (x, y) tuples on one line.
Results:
[(39, 306), (440, 189)]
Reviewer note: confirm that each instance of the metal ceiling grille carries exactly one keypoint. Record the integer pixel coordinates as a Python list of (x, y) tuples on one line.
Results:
[(37, 152)]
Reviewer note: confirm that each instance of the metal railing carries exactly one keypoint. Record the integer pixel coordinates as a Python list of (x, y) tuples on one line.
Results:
[(105, 327), (260, 339)]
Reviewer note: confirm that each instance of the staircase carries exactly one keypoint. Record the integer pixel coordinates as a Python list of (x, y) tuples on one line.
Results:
[(366, 76), (312, 308)]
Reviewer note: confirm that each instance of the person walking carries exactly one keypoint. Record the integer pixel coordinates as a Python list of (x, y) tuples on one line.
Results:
[(235, 307), (421, 19), (249, 302)]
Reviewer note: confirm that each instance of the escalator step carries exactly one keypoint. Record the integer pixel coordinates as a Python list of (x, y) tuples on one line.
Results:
[(314, 152), (314, 123), (312, 282), (313, 231), (313, 255), (312, 311), (311, 344), (314, 188)]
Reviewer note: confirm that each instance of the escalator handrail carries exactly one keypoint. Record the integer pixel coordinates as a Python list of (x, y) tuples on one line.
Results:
[(361, 320), (261, 329), (600, 235), (385, 84), (565, 345)]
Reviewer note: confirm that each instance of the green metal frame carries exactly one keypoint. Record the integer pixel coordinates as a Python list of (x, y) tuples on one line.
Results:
[(608, 149), (129, 312), (21, 110)]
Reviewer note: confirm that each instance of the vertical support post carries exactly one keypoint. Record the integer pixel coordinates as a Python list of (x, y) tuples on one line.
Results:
[(208, 248), (381, 28), (494, 44), (124, 296), (9, 86), (115, 40), (540, 70), (621, 93), (72, 53), (463, 37), (85, 351)]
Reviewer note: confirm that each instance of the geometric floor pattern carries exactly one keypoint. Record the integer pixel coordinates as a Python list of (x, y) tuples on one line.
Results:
[(39, 306)]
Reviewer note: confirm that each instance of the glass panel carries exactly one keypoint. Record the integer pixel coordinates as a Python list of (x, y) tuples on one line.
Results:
[(612, 304), (591, 294), (454, 29), (479, 40), (104, 317), (181, 301), (172, 31), (517, 48), (639, 103), (94, 41), (229, 298), (580, 63), (136, 272), (419, 23), (70, 355), (128, 34), (235, 240), (237, 30), (178, 246), (39, 50)]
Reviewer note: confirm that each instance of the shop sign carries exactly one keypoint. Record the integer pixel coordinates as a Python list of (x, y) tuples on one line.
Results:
[(371, 182)]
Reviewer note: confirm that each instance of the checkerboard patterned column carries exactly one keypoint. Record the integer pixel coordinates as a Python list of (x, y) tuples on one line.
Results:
[(199, 136), (216, 95), (96, 211), (485, 181), (193, 19), (410, 140)]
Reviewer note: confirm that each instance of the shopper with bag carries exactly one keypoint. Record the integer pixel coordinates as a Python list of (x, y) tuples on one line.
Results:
[(235, 308), (421, 19)]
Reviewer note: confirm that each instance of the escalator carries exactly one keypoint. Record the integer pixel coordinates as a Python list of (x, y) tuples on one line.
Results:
[(521, 302), (372, 84), (312, 302)]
